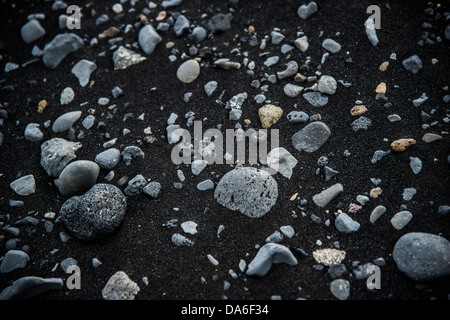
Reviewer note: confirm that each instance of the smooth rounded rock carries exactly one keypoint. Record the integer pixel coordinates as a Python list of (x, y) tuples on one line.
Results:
[(65, 121), (14, 259), (33, 133), (148, 39), (32, 31), (108, 159), (77, 176), (422, 256), (96, 214), (188, 71)]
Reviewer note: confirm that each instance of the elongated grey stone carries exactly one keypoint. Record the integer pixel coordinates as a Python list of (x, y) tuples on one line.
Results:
[(415, 164), (267, 255), (24, 186), (377, 213), (65, 121), (371, 32), (306, 10), (14, 259), (180, 240), (311, 137), (331, 45), (30, 287), (290, 71), (422, 256), (327, 195)]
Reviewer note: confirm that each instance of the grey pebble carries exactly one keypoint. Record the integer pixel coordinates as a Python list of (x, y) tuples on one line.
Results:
[(67, 96), (152, 189), (135, 185), (371, 31), (415, 164), (292, 90), (33, 133), (422, 256), (220, 22), (24, 186), (290, 71), (271, 61), (336, 271), (198, 34), (327, 84), (180, 240), (444, 210), (14, 259), (363, 271), (61, 45), (88, 122), (131, 152), (412, 64), (311, 137), (306, 10), (297, 116), (267, 255), (66, 263), (65, 121), (188, 71), (331, 45), (205, 185), (210, 87), (362, 123), (108, 159), (31, 31), (329, 172), (377, 213), (30, 287), (83, 70), (378, 155), (148, 39), (408, 193), (77, 176), (340, 288), (401, 219), (124, 58), (345, 224), (181, 24), (326, 196), (287, 231), (316, 99)]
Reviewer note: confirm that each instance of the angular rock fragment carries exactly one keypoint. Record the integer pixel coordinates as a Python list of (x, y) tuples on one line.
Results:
[(123, 58), (267, 255), (62, 45)]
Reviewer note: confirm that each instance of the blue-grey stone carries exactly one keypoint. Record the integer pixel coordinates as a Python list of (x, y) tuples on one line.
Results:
[(33, 133), (316, 99), (108, 159), (311, 137), (62, 45), (14, 259), (220, 22), (181, 24), (267, 255), (412, 64), (148, 39), (152, 189), (297, 116), (30, 287), (135, 185), (306, 10), (65, 121), (331, 45), (83, 70), (24, 186), (415, 164), (198, 34), (422, 256), (344, 223), (401, 219), (32, 31)]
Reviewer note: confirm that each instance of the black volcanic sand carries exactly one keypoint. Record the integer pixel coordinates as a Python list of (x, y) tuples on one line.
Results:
[(142, 246)]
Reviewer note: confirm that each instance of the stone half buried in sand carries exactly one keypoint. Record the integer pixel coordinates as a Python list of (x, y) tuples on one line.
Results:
[(251, 191)]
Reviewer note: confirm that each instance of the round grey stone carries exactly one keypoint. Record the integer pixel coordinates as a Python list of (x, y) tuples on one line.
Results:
[(67, 95), (422, 256), (108, 159), (77, 176), (95, 214), (188, 71), (340, 288), (251, 191), (327, 84)]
